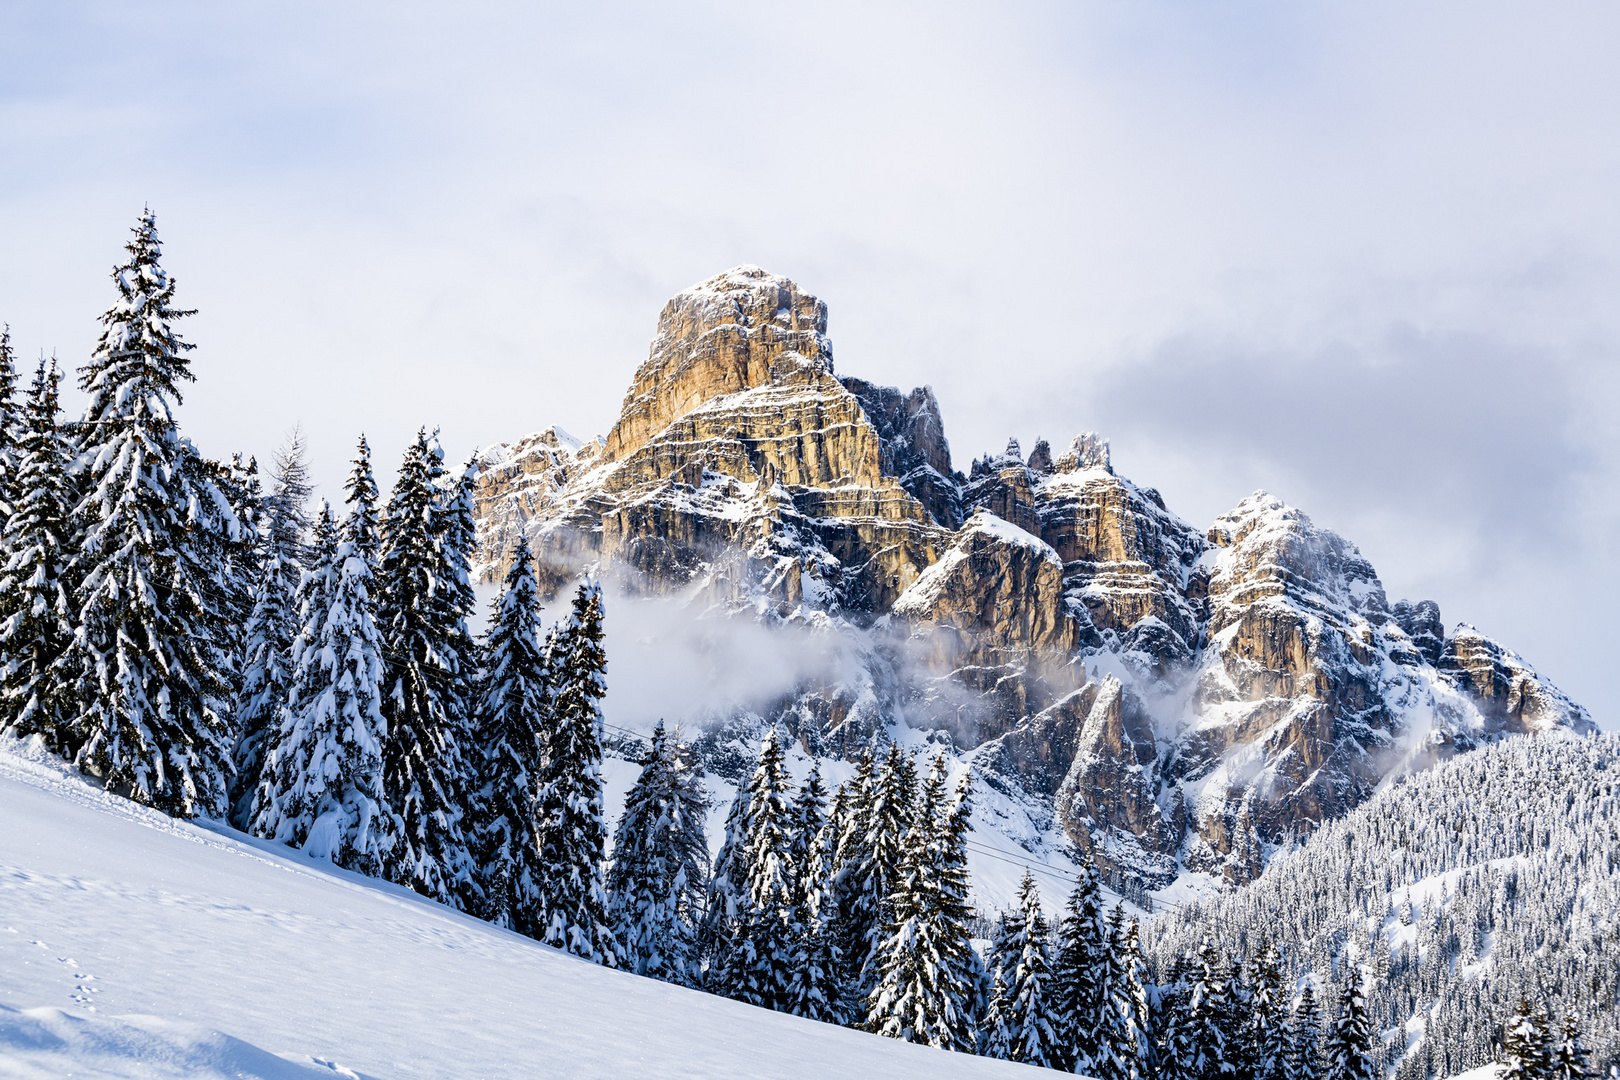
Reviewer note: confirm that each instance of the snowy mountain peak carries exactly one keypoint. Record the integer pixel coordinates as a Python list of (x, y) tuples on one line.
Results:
[(1261, 682), (1088, 451)]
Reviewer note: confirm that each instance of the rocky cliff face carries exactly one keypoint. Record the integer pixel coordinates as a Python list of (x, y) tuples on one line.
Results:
[(1179, 699)]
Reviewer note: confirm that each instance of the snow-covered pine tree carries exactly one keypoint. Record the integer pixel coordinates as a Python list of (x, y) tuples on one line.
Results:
[(1117, 1053), (458, 535), (511, 713), (969, 983), (324, 536), (1132, 1002), (146, 665), (36, 620), (360, 492), (1002, 956), (426, 658), (1527, 1050), (846, 889), (1031, 1016), (888, 813), (266, 682), (238, 550), (1305, 1055), (995, 1028), (1348, 1049), (660, 860), (920, 995), (760, 970), (1174, 1025), (908, 1002), (1270, 1025), (321, 787), (572, 835), (11, 425), (286, 508), (1209, 1015), (1570, 1060), (1079, 969), (728, 885), (1234, 1021), (815, 992), (808, 823)]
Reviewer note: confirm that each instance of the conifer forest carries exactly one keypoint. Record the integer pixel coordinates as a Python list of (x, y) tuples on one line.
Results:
[(200, 636)]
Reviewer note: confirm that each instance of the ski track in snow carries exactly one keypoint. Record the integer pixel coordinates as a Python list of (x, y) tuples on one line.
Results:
[(136, 946)]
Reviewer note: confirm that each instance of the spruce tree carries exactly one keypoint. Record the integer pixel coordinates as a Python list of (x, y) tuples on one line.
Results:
[(995, 1029), (728, 884), (1270, 1024), (1132, 1001), (1118, 1034), (11, 427), (360, 492), (969, 983), (1349, 1049), (815, 992), (1175, 1026), (760, 969), (146, 664), (286, 508), (872, 859), (427, 658), (657, 880), (805, 839), (237, 553), (848, 897), (511, 712), (920, 995), (1210, 1015), (321, 786), (1079, 969), (266, 681), (1032, 1021), (1233, 1016), (572, 835), (1527, 1051), (1002, 956), (1305, 1056), (1570, 1060), (36, 620)]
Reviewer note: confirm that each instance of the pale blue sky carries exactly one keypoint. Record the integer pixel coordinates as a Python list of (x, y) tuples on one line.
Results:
[(1363, 255)]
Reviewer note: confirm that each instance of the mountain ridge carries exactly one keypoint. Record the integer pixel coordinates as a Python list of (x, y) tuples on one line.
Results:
[(1182, 700)]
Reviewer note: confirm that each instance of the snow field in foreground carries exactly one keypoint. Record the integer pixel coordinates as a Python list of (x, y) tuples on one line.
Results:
[(136, 946)]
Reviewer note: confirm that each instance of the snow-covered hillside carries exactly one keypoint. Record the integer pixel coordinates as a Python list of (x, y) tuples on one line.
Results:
[(135, 945), (1492, 878)]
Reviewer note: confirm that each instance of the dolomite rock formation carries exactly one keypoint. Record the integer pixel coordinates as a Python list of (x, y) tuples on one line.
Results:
[(1179, 699), (739, 468), (1512, 698)]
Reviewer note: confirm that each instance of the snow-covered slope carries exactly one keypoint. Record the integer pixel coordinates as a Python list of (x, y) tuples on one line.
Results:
[(1491, 878), (134, 945)]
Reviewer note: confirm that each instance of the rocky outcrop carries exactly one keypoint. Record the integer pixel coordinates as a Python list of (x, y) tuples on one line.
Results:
[(1512, 697), (1126, 558), (740, 469), (991, 618), (740, 329), (1178, 699), (913, 446), (1108, 801), (997, 591), (1422, 623)]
